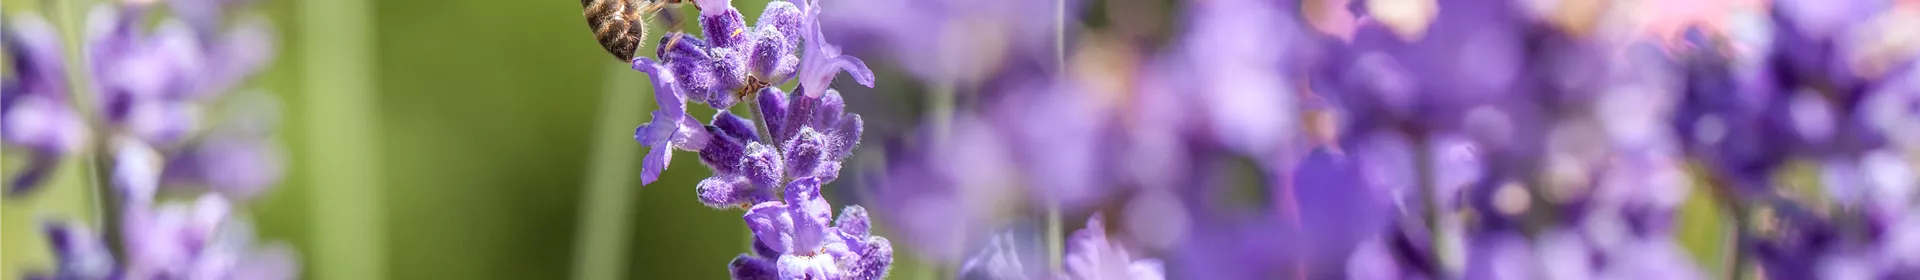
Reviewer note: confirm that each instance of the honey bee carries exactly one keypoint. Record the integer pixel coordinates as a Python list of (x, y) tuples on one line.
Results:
[(620, 25)]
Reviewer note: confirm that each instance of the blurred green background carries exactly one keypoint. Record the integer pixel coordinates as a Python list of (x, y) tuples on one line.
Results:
[(487, 113)]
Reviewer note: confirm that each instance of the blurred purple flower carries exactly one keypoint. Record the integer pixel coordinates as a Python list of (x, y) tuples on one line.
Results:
[(1014, 253), (80, 252), (202, 239), (35, 101), (1091, 254), (1469, 56), (945, 40)]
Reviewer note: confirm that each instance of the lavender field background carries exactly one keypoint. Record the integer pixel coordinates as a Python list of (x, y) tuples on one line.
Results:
[(495, 139)]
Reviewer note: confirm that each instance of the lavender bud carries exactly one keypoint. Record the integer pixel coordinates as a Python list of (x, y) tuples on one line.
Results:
[(805, 153), (762, 165), (832, 106), (735, 126), (853, 220), (722, 192), (746, 267), (785, 18), (876, 259), (730, 72), (773, 58), (723, 154), (847, 136), (725, 28)]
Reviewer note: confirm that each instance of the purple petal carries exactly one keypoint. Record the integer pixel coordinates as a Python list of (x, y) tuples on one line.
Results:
[(821, 61), (810, 212), (30, 177), (1373, 261), (667, 94), (771, 225), (708, 7), (42, 122), (81, 253), (746, 267), (135, 171), (1090, 255), (1500, 256), (270, 262), (657, 136), (797, 267), (33, 48), (245, 50), (1337, 207), (235, 166)]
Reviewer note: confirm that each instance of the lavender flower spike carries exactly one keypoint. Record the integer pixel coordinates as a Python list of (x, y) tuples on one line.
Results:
[(820, 61), (808, 248)]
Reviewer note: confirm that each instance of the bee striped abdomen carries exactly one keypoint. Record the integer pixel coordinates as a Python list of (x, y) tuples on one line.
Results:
[(616, 24)]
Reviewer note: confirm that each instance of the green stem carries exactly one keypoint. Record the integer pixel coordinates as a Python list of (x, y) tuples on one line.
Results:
[(342, 152), (1430, 206), (100, 200), (759, 120), (600, 250), (1056, 246)]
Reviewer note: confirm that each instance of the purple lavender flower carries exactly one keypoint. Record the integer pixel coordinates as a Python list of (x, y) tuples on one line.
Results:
[(1243, 76), (236, 166), (773, 166), (808, 247), (1013, 253), (1467, 57), (1092, 255), (165, 239), (821, 61), (80, 252), (152, 87), (34, 100)]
